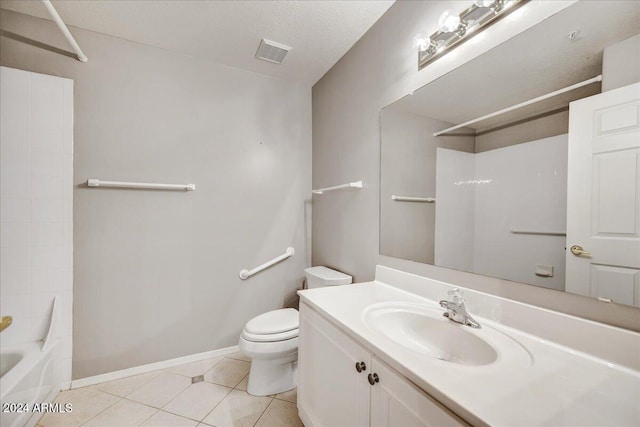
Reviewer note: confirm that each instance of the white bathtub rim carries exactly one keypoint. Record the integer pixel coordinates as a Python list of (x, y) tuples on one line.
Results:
[(32, 354)]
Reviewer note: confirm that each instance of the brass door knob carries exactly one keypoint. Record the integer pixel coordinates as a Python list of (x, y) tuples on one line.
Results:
[(5, 322), (578, 251)]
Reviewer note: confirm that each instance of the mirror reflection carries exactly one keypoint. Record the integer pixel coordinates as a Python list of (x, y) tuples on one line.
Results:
[(513, 195)]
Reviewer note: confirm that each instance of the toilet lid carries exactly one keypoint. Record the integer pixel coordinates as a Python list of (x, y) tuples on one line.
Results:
[(282, 336), (273, 322)]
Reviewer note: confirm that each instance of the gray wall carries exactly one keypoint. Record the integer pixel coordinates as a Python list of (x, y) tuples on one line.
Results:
[(156, 273), (531, 130), (621, 64), (408, 168), (379, 69)]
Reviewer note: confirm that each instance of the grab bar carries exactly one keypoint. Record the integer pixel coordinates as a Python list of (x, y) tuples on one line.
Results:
[(320, 191), (413, 199), (538, 233), (147, 185), (245, 274)]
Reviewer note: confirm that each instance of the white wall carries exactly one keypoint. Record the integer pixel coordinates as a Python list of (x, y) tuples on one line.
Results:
[(527, 191), (455, 209), (156, 272), (36, 224), (481, 197)]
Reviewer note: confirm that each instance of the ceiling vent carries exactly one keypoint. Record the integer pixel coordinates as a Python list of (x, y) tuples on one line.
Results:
[(272, 51)]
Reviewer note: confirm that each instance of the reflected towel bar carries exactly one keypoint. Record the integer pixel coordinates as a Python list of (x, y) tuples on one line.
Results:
[(357, 184), (413, 199), (145, 185), (245, 274), (538, 233)]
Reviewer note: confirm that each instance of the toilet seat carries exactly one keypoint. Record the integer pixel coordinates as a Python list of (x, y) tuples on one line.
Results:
[(282, 336), (273, 322), (276, 325)]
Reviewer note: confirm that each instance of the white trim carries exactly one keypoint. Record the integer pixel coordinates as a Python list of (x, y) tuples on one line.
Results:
[(116, 375)]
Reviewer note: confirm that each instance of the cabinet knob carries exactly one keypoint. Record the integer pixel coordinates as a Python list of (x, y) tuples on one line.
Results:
[(373, 378), (360, 366)]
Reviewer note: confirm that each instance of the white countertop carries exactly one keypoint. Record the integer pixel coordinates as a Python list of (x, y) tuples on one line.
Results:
[(560, 387)]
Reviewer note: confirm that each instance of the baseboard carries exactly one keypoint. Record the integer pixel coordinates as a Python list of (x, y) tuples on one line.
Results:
[(116, 375), (304, 417)]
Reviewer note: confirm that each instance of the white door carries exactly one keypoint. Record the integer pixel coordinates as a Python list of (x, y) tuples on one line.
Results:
[(603, 203), (332, 390), (396, 402)]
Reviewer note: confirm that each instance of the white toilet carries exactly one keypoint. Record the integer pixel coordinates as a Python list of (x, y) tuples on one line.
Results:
[(271, 340)]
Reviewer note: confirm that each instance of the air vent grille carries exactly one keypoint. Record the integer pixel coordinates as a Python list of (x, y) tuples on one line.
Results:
[(272, 51)]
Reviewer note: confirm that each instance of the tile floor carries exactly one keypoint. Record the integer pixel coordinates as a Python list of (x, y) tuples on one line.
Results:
[(167, 398)]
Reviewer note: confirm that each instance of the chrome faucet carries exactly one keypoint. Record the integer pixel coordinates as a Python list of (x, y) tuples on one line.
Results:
[(456, 309)]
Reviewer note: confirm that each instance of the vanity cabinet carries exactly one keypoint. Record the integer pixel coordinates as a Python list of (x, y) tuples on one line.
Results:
[(341, 383), (331, 391)]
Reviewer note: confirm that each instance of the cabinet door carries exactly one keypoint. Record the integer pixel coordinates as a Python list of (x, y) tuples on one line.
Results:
[(397, 402), (331, 392)]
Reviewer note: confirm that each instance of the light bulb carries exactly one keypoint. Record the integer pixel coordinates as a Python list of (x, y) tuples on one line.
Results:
[(484, 3), (421, 41), (448, 22)]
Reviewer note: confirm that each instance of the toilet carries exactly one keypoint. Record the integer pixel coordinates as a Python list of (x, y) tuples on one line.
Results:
[(271, 340)]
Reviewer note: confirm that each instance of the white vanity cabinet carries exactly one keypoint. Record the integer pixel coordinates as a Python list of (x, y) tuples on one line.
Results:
[(334, 384), (396, 402), (331, 391)]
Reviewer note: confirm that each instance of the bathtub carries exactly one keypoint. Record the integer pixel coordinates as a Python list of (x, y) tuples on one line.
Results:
[(27, 378)]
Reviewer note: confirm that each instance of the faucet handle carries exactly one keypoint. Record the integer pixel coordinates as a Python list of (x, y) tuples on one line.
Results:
[(455, 296)]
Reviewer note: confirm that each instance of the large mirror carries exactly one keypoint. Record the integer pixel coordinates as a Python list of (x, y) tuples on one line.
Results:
[(491, 197)]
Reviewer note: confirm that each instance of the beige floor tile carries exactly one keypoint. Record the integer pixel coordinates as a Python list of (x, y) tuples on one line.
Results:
[(194, 368), (125, 386), (125, 413), (238, 409), (165, 419), (160, 390), (227, 372), (197, 400), (280, 414), (71, 395), (86, 403), (242, 385), (239, 356), (289, 396)]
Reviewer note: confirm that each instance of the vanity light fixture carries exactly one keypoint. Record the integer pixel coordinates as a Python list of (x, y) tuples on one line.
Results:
[(455, 29)]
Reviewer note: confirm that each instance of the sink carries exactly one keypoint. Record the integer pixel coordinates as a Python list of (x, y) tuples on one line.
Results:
[(423, 329)]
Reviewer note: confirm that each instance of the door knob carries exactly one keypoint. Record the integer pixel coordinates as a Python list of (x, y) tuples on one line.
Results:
[(578, 251), (360, 366)]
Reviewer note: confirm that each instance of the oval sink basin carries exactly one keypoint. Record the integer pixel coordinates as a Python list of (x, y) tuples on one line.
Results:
[(425, 330)]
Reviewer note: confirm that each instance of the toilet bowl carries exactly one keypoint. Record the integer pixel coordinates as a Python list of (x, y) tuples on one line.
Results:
[(271, 340)]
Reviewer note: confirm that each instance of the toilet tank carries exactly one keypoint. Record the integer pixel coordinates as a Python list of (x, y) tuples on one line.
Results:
[(320, 276)]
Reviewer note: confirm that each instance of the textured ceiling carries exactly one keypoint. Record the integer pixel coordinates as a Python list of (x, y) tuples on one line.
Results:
[(227, 32)]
